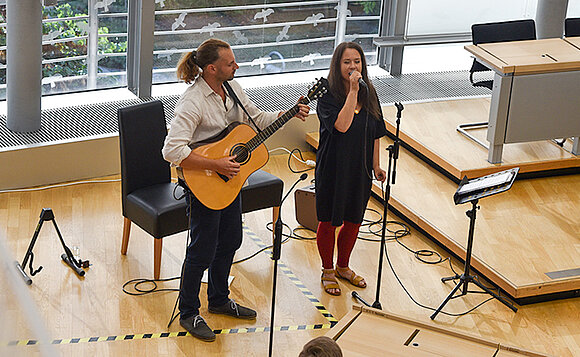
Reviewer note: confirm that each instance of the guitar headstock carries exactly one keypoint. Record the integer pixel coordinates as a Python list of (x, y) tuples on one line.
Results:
[(318, 89)]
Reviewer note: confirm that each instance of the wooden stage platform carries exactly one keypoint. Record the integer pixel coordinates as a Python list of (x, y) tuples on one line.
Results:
[(527, 240), (430, 130), (371, 332)]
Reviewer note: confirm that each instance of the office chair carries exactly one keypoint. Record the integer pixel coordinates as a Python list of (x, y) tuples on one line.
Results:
[(572, 27), (506, 31), (491, 32), (147, 194)]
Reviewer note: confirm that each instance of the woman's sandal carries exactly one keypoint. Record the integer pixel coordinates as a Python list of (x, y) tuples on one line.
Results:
[(354, 279), (331, 287)]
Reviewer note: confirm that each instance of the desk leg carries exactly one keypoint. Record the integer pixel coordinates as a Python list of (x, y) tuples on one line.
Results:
[(498, 116), (494, 154), (576, 145)]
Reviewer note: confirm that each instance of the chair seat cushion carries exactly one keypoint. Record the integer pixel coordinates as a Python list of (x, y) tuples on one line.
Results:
[(156, 211), (262, 191)]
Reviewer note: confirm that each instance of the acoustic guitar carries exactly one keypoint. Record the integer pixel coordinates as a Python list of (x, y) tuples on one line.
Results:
[(216, 191)]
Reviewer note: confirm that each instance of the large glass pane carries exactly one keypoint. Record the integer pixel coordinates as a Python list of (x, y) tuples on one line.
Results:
[(573, 8), (267, 36), (84, 46), (427, 17), (363, 24), (456, 16), (97, 58)]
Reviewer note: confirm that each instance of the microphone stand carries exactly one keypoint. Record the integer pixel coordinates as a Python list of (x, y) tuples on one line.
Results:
[(67, 256), (276, 252), (393, 156)]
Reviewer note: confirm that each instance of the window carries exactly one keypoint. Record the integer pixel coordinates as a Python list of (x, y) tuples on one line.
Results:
[(266, 36), (84, 46), (457, 16), (84, 43)]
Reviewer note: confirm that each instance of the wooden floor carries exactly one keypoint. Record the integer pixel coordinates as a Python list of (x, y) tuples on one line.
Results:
[(430, 129), (89, 216)]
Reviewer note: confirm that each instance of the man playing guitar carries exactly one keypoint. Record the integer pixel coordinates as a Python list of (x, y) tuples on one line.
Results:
[(202, 112)]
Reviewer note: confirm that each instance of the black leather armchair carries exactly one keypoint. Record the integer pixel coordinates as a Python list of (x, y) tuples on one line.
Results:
[(147, 193)]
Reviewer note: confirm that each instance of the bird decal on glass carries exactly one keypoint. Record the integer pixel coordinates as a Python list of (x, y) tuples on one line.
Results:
[(314, 19), (179, 21), (263, 14), (210, 28), (283, 34)]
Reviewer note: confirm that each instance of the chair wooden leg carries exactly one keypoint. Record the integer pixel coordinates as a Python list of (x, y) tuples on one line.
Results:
[(157, 249), (275, 214), (126, 232)]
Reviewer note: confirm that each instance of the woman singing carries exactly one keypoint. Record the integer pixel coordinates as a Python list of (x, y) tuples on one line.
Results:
[(351, 125)]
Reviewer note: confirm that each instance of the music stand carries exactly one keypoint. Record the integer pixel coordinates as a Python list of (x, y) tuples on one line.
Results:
[(472, 191)]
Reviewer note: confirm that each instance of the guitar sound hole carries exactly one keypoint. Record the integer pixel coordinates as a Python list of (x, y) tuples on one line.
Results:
[(241, 153)]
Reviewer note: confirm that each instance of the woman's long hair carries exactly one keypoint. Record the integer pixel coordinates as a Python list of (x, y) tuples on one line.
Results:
[(192, 63), (366, 98)]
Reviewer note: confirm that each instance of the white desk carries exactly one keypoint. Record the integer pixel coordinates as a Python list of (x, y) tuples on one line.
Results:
[(536, 91)]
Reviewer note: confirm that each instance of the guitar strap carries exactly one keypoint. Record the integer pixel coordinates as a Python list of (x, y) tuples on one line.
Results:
[(238, 102)]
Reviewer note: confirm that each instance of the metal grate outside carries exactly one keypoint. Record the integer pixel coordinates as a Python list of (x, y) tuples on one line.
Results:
[(83, 121)]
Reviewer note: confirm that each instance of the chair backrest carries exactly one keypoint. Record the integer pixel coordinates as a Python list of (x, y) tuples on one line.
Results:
[(142, 131), (505, 31), (572, 27)]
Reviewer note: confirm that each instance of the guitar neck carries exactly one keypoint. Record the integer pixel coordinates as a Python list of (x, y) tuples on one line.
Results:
[(277, 124)]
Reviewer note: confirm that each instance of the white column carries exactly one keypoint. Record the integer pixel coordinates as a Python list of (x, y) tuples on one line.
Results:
[(550, 17), (92, 45), (23, 64)]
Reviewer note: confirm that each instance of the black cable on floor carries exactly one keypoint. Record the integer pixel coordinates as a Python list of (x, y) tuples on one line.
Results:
[(140, 281)]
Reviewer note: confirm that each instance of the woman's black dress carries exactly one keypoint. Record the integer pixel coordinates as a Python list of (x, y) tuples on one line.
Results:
[(344, 163)]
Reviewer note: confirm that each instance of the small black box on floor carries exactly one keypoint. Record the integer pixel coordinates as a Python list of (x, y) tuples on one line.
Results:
[(305, 204)]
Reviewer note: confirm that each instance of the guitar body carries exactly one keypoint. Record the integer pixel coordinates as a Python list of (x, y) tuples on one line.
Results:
[(207, 185), (216, 191)]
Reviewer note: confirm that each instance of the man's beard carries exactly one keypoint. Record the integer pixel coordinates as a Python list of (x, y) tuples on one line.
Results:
[(227, 77)]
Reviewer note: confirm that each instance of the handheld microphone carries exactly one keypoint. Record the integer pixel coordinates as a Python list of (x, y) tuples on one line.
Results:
[(72, 265), (302, 177), (361, 82), (277, 246)]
